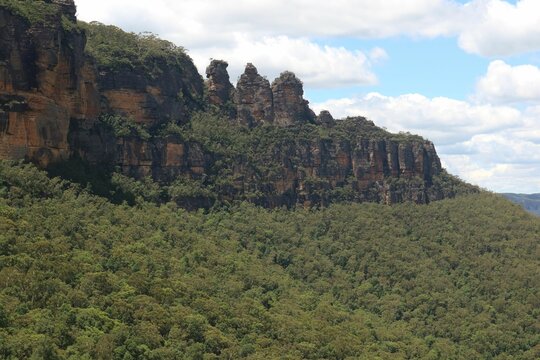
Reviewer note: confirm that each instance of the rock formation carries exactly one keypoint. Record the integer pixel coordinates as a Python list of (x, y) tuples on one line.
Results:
[(219, 88), (168, 96), (258, 103), (53, 96), (42, 84), (325, 119), (253, 98), (289, 105)]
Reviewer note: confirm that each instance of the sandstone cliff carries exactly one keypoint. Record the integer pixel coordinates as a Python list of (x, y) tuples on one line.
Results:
[(145, 79), (60, 82), (254, 99), (45, 81), (289, 105), (220, 91)]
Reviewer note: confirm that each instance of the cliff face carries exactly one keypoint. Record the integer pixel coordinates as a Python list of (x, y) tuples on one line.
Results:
[(254, 100), (289, 105), (54, 95), (168, 94), (45, 81), (310, 170), (161, 158)]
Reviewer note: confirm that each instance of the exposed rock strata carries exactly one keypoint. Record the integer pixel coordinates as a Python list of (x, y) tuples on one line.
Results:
[(253, 98), (167, 95), (162, 158), (289, 105), (219, 87), (372, 170), (44, 67)]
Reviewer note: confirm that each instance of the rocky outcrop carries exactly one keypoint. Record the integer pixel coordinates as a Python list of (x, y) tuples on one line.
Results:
[(253, 98), (220, 91), (257, 102), (42, 83), (167, 95), (289, 105), (325, 119)]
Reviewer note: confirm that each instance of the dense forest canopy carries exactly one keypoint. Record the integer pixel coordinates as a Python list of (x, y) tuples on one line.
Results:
[(35, 11), (83, 278)]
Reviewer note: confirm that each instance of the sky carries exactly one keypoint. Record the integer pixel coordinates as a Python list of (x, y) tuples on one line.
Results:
[(463, 74)]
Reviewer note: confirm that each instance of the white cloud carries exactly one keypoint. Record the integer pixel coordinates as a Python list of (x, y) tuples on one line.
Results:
[(499, 28), (497, 147), (484, 27), (501, 148), (274, 35), (318, 66), (240, 31), (505, 84), (512, 178), (377, 55), (297, 18), (206, 33), (443, 120)]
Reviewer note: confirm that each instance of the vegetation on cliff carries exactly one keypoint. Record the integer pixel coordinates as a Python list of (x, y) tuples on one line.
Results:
[(41, 13), (114, 48), (253, 157), (121, 126), (83, 278), (35, 11)]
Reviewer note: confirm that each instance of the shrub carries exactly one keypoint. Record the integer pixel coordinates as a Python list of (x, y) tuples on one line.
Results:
[(114, 48)]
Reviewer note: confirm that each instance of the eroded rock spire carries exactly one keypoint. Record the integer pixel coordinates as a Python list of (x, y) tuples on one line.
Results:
[(290, 107), (220, 90), (253, 98)]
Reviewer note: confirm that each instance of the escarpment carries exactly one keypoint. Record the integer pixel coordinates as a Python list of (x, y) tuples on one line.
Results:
[(135, 103), (142, 78), (45, 82)]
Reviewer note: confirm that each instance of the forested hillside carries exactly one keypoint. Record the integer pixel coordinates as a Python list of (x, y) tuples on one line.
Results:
[(83, 278)]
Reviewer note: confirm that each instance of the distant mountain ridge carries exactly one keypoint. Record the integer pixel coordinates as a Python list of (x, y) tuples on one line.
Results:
[(531, 202)]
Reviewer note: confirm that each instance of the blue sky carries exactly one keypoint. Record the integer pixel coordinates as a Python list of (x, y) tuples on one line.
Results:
[(464, 74), (433, 67)]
